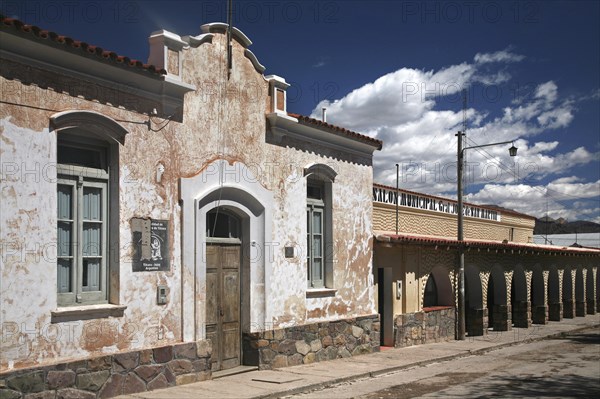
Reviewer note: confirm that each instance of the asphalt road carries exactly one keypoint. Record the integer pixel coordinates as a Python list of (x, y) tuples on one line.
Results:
[(556, 368)]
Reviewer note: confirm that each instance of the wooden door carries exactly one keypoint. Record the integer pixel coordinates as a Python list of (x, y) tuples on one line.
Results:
[(223, 304)]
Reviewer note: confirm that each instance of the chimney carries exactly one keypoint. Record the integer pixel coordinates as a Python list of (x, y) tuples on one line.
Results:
[(278, 87)]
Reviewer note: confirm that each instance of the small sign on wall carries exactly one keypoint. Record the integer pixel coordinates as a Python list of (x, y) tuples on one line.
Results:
[(150, 245)]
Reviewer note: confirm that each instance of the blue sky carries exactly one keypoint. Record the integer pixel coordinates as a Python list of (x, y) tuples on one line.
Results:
[(395, 70)]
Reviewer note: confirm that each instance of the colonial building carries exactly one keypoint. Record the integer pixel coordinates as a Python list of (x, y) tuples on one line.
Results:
[(509, 280), (167, 220)]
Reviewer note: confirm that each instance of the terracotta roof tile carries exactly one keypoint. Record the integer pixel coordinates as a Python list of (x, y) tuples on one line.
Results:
[(83, 48), (337, 129), (481, 244)]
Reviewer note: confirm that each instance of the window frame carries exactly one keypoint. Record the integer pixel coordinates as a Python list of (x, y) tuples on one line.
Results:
[(323, 205), (79, 178), (315, 206)]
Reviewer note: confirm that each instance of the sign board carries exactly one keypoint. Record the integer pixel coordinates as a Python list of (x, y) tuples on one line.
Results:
[(389, 196), (150, 245)]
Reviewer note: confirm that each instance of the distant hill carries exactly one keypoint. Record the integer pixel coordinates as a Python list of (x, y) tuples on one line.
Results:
[(548, 225)]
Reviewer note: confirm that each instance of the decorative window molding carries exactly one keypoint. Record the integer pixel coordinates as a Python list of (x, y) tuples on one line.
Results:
[(319, 228), (87, 208)]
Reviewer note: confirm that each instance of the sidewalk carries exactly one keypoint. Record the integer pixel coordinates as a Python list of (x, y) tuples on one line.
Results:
[(296, 379)]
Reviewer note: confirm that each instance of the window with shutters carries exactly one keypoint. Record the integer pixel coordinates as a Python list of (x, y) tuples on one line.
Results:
[(319, 227), (315, 211), (82, 220)]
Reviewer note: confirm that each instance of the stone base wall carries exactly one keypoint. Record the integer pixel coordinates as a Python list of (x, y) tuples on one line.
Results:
[(539, 315), (476, 322), (312, 342), (424, 327), (555, 311), (501, 318), (591, 306), (568, 309), (580, 309), (112, 375), (521, 312)]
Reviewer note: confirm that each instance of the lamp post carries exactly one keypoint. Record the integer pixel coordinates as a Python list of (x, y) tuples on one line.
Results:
[(460, 334)]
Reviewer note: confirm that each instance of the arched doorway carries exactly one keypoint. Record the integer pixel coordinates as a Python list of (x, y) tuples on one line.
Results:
[(555, 308), (579, 293), (474, 311), (498, 312), (589, 291), (539, 309), (521, 308), (567, 294), (438, 289), (247, 205)]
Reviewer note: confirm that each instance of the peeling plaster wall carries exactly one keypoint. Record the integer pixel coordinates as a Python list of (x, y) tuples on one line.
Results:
[(222, 119), (28, 237)]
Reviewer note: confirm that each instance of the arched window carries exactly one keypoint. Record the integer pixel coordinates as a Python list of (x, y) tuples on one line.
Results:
[(221, 224), (87, 206), (319, 226)]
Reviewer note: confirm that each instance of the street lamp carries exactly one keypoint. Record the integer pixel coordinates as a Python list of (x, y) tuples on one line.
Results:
[(461, 253)]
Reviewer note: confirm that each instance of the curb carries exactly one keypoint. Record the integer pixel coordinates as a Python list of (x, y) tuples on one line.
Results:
[(387, 370)]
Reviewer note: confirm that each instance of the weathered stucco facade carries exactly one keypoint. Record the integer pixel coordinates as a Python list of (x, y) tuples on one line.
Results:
[(185, 137), (509, 281)]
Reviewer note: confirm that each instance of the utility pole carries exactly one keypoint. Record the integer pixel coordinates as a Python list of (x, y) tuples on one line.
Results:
[(461, 325), (397, 193), (460, 335)]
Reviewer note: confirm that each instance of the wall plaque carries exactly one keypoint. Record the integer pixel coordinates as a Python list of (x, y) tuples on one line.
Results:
[(150, 245)]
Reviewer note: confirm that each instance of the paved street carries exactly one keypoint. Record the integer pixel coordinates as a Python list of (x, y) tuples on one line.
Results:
[(563, 367), (521, 362)]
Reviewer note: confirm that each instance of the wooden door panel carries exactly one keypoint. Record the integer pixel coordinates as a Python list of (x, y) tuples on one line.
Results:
[(231, 296), (223, 304), (231, 345), (213, 334), (212, 298), (230, 257)]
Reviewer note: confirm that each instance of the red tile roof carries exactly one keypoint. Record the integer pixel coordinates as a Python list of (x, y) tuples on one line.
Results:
[(480, 244), (82, 48), (337, 129)]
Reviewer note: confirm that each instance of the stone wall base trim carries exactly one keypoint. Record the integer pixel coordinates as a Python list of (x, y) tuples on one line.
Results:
[(424, 327), (316, 342), (521, 312), (113, 375), (500, 318)]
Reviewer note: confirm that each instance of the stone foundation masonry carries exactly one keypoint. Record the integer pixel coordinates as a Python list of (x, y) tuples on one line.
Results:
[(476, 321), (424, 327), (521, 312), (312, 342), (111, 375)]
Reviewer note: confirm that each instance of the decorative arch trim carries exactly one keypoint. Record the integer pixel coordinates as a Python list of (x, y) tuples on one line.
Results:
[(321, 171), (93, 121)]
